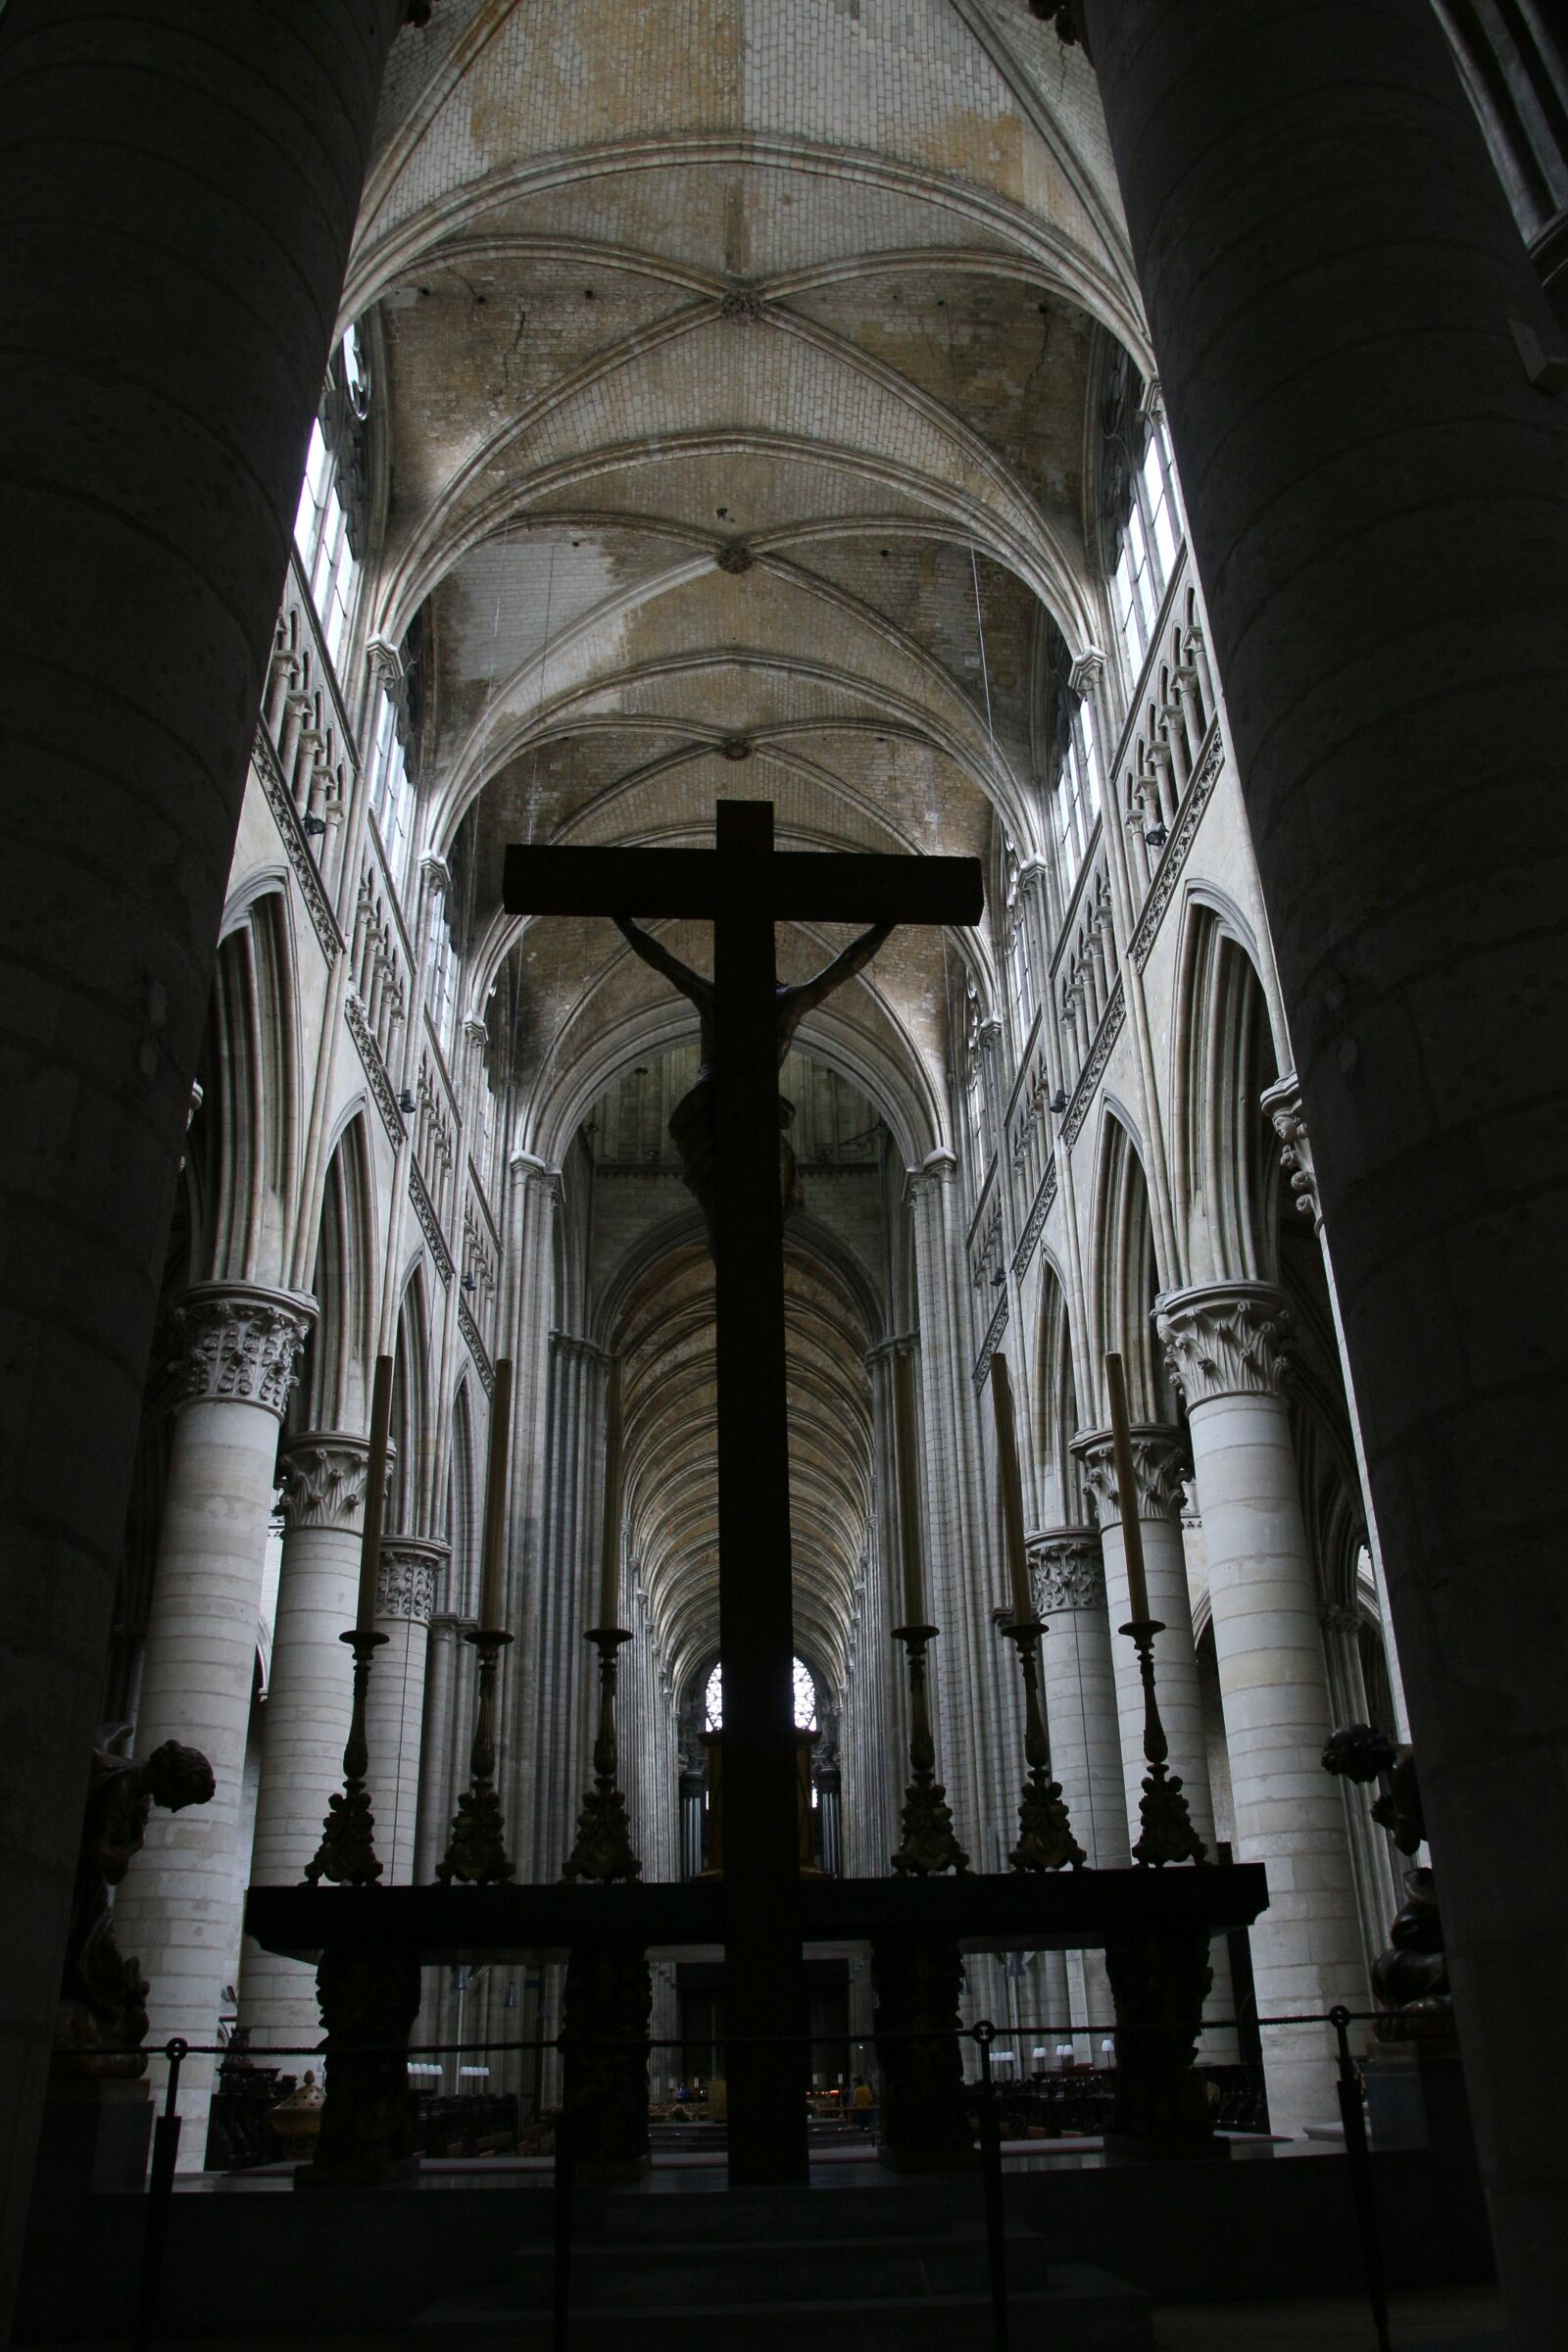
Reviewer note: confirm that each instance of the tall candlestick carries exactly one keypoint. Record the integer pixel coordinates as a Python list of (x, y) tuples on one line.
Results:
[(610, 1546), (374, 1494), (906, 1464), (1023, 1606), (1132, 1534), (493, 1555)]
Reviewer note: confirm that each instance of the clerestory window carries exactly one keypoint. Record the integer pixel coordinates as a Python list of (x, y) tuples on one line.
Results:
[(329, 525), (805, 1698), (1140, 518)]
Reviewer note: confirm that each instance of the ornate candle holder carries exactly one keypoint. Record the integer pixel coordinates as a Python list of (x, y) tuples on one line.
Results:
[(604, 1848), (1167, 1833), (929, 1842), (346, 1854), (1044, 1834), (476, 1850)]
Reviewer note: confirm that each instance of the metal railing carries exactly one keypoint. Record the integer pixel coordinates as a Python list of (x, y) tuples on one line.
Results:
[(989, 2092)]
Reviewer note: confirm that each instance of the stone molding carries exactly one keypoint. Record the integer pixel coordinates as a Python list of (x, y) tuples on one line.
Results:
[(920, 1183), (904, 1342), (323, 1474), (1225, 1339), (240, 1344), (1282, 1106), (405, 1582), (1066, 1570), (572, 1345), (1087, 671), (1159, 1466), (430, 1223), (1034, 1223)]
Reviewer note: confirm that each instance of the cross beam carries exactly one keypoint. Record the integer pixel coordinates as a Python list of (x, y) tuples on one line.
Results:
[(744, 887)]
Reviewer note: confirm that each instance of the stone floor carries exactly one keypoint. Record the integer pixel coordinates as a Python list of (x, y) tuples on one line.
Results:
[(1456, 2319)]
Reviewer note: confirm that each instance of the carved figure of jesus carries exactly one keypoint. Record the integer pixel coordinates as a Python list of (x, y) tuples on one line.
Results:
[(693, 1124)]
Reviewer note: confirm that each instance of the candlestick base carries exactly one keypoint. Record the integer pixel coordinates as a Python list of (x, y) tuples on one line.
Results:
[(476, 1850), (1166, 1832), (604, 1849), (346, 1854), (1045, 1833), (930, 1844)]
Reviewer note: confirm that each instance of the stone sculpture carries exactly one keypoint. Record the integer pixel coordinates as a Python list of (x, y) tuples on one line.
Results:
[(102, 2018), (1411, 1977)]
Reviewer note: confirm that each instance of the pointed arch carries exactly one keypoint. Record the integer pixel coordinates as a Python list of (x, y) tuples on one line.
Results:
[(1060, 1419), (1225, 1177), (409, 1496), (1128, 1277), (463, 1514), (334, 1390), (244, 1136)]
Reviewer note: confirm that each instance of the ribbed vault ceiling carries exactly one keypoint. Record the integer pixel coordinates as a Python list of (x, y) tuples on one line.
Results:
[(738, 360)]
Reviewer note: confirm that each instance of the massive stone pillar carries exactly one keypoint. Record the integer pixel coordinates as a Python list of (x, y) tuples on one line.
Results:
[(411, 1566), (1376, 489), (176, 215), (179, 1909), (1223, 1347), (308, 1698)]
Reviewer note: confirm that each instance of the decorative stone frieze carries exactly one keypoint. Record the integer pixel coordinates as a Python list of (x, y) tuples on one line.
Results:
[(1282, 1105), (323, 1475), (1225, 1339), (1065, 1570), (404, 1583), (1159, 1466), (240, 1344)]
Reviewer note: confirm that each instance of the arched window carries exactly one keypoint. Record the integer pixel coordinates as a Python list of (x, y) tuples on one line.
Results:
[(1020, 973), (1140, 518), (1073, 762), (329, 528), (805, 1698)]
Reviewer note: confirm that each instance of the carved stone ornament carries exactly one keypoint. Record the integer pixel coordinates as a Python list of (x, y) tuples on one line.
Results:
[(743, 305), (736, 558), (1282, 1105), (404, 1583), (1157, 1466), (1066, 1571), (736, 747), (240, 1344), (323, 1475), (1225, 1339)]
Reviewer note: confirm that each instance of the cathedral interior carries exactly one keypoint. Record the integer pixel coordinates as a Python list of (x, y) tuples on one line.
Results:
[(1124, 446)]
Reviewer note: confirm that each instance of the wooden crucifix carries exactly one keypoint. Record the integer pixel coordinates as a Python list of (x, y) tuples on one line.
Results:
[(743, 887)]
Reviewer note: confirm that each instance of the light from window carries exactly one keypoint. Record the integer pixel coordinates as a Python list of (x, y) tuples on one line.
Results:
[(391, 790), (805, 1698)]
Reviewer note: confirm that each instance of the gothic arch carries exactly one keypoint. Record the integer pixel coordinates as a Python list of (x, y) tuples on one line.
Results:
[(243, 1139), (1127, 1277), (1225, 1170), (334, 1390)]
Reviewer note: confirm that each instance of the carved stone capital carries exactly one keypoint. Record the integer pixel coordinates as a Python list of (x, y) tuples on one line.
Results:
[(404, 1583), (1066, 1570), (576, 1348), (240, 1344), (476, 1031), (435, 874), (1157, 1467), (905, 1343), (921, 1183), (1087, 671), (1282, 1105), (386, 662), (323, 1475), (1224, 1338)]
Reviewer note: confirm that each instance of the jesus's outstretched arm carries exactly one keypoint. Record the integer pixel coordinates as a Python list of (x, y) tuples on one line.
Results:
[(680, 975), (794, 1004)]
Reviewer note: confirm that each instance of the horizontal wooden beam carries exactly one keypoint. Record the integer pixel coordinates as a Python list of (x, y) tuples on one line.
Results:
[(788, 884)]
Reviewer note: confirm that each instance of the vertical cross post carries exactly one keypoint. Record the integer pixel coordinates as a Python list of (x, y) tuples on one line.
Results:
[(764, 1970)]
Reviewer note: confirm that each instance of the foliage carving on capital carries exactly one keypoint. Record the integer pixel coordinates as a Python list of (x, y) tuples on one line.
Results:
[(1281, 1102), (1066, 1571), (1225, 1340), (405, 1582), (240, 1345), (1158, 1467), (323, 1476)]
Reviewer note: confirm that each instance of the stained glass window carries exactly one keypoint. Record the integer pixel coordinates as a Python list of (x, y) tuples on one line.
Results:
[(805, 1698)]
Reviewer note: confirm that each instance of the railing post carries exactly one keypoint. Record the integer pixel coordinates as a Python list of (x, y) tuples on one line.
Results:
[(563, 2187), (160, 2190), (1360, 2164), (985, 2033)]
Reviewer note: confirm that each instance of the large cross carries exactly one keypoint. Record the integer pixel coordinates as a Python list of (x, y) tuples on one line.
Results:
[(743, 887)]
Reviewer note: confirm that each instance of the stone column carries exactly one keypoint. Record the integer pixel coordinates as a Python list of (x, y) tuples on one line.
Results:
[(446, 1744), (1323, 249), (307, 1719), (1158, 1464), (180, 1911), (1157, 1461), (1078, 1687), (1223, 1345), (405, 1602), (203, 238)]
